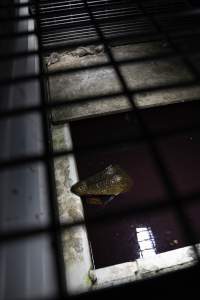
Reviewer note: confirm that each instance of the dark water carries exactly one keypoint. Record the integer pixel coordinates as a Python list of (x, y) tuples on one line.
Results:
[(194, 2), (117, 241)]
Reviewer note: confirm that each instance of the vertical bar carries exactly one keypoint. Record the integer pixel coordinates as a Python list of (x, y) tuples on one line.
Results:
[(56, 232), (148, 137)]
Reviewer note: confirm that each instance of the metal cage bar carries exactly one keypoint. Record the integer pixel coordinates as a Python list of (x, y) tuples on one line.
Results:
[(44, 108)]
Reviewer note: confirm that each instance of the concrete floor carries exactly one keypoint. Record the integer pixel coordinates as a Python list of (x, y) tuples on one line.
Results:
[(103, 81)]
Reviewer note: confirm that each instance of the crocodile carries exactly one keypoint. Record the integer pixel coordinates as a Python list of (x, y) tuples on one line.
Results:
[(111, 181)]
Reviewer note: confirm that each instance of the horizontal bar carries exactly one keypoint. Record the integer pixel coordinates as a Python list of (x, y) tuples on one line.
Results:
[(59, 103), (112, 144), (121, 62), (183, 13), (154, 205)]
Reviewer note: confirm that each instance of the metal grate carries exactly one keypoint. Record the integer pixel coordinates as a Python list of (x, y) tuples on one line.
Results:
[(63, 23), (168, 21)]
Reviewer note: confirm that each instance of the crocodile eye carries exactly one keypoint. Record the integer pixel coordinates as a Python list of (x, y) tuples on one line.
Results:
[(83, 186), (79, 188)]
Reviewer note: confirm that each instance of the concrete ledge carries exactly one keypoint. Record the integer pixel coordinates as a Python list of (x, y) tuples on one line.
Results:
[(75, 242), (103, 81), (144, 268)]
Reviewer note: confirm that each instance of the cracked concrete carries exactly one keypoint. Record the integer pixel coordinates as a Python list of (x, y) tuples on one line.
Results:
[(76, 250), (103, 81)]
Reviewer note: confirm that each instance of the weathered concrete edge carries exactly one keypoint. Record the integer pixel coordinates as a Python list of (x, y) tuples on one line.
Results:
[(76, 247), (145, 268)]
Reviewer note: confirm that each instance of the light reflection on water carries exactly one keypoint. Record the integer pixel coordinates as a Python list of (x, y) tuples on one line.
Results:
[(146, 242)]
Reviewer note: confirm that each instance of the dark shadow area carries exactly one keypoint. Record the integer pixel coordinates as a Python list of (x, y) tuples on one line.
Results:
[(180, 153)]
